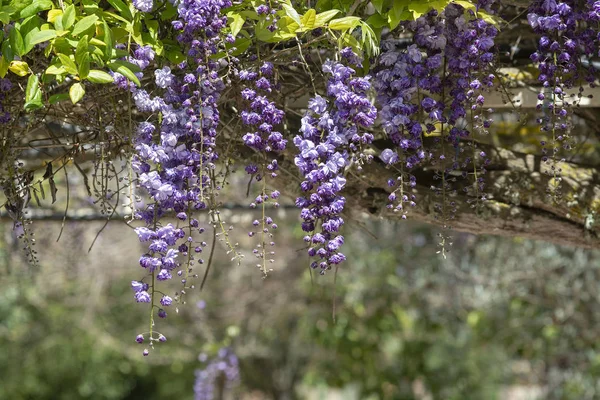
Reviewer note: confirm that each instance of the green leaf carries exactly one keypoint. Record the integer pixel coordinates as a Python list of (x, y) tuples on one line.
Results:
[(130, 66), (54, 14), (126, 72), (4, 17), (97, 76), (35, 7), (55, 70), (69, 64), (7, 51), (396, 13), (292, 13), (490, 19), (76, 92), (3, 66), (19, 68), (90, 6), (42, 36), (369, 40), (81, 49), (33, 94), (308, 19), (419, 8), (56, 98), (342, 24), (84, 66), (68, 18), (378, 4), (377, 21), (108, 40), (16, 41), (325, 17), (122, 9), (237, 23), (152, 26), (84, 24)]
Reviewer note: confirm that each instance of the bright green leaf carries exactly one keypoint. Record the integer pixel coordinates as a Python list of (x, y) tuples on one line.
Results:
[(76, 92), (69, 64), (84, 24), (81, 49), (325, 17), (345, 23), (308, 19), (68, 18), (122, 9), (42, 36), (16, 41), (55, 70), (4, 17), (35, 7), (3, 66), (237, 23), (126, 72), (53, 14), (33, 94), (292, 13), (108, 40), (84, 66), (97, 76)]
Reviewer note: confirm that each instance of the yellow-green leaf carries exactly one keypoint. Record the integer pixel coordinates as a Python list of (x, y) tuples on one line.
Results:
[(42, 36), (292, 13), (55, 70), (76, 92), (84, 66), (68, 63), (308, 19), (97, 76), (237, 22), (19, 68), (126, 72), (342, 24), (324, 17), (33, 94), (68, 18), (3, 67), (84, 24), (53, 14)]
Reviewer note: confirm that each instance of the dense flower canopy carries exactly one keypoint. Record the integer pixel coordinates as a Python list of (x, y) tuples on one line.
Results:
[(187, 92)]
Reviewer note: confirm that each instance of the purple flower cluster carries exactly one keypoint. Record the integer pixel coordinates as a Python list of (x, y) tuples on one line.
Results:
[(174, 158), (433, 87), (568, 35), (143, 5), (225, 366), (409, 84), (332, 136), (261, 117)]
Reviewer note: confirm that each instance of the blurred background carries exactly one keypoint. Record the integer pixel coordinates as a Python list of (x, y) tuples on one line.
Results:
[(498, 319)]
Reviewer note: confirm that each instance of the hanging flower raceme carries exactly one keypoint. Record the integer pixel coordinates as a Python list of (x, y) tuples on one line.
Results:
[(332, 136), (469, 52), (408, 81), (174, 158), (561, 46), (261, 118)]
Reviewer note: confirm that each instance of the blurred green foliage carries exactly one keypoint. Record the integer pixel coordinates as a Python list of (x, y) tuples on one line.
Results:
[(498, 313)]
